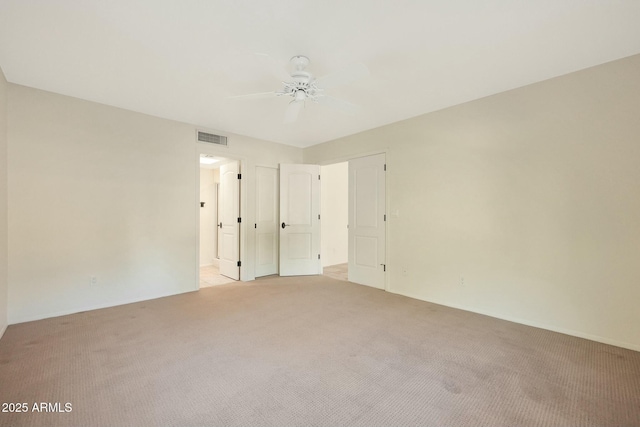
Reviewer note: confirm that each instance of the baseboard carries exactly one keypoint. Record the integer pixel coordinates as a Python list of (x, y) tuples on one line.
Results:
[(23, 319), (213, 263), (2, 330), (579, 334)]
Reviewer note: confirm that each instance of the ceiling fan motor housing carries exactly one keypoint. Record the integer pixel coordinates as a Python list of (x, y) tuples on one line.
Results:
[(302, 87), (299, 62)]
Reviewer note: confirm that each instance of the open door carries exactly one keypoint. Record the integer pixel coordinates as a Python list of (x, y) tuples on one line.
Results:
[(367, 221), (300, 220), (229, 220), (266, 225)]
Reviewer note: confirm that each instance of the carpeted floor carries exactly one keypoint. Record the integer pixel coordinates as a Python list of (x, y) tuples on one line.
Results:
[(310, 351)]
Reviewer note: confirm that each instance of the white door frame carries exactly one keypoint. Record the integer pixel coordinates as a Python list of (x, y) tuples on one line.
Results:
[(205, 148), (384, 151)]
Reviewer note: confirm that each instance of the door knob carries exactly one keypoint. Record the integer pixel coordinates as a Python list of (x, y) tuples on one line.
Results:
[(219, 225), (284, 225)]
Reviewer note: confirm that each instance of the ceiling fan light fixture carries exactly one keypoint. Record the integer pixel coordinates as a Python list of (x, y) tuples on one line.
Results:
[(301, 95)]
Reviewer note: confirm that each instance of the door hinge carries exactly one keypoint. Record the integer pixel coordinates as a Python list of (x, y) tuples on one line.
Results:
[(318, 216), (385, 217), (239, 264), (384, 267), (239, 219), (385, 167), (255, 225), (318, 177), (318, 256), (239, 176)]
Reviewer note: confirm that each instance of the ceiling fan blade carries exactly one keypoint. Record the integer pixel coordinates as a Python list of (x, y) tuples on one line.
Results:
[(255, 95), (275, 67), (291, 114), (345, 76), (338, 104)]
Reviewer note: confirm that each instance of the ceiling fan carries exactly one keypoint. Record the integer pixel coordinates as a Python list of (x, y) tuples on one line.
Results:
[(302, 86)]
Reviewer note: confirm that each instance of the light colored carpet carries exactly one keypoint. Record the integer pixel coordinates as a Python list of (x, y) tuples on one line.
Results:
[(310, 351)]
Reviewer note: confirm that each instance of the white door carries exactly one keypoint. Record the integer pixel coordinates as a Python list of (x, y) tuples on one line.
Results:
[(266, 225), (367, 221), (299, 220), (218, 234), (228, 225)]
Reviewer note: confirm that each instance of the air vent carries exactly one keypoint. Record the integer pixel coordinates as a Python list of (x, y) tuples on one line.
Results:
[(211, 138)]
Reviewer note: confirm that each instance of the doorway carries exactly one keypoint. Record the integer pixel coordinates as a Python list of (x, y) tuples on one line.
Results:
[(354, 220), (334, 211), (218, 235), (367, 221)]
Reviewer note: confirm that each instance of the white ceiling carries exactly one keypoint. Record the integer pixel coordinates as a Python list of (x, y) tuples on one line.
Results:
[(182, 59)]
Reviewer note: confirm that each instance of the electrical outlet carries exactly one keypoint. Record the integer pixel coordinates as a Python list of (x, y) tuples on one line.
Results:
[(94, 280)]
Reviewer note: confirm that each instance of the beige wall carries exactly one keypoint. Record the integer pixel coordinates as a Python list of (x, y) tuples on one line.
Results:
[(3, 205), (334, 211), (531, 195), (97, 191)]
